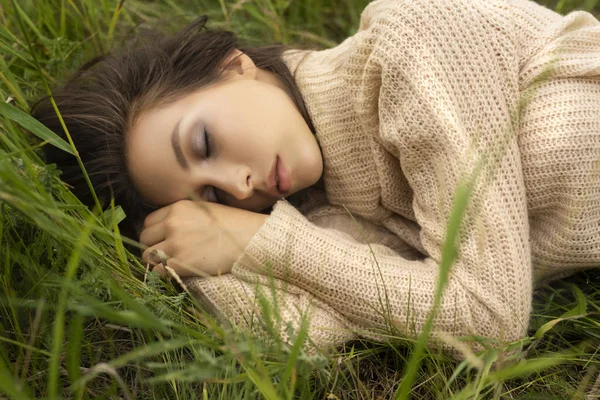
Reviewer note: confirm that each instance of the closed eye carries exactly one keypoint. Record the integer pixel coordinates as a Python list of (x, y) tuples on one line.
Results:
[(201, 143)]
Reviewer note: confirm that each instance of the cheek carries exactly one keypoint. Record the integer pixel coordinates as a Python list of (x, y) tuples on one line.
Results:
[(248, 142), (263, 122)]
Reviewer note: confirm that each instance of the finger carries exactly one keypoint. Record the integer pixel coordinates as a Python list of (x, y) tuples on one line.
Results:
[(155, 255), (157, 216), (160, 270), (153, 234)]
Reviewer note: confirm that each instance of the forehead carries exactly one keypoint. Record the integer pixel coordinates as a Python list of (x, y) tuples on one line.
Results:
[(160, 110), (206, 96)]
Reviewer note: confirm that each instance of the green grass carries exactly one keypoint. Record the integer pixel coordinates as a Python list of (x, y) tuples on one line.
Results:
[(77, 322)]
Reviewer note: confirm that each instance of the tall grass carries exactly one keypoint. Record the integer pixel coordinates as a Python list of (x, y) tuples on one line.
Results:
[(77, 322)]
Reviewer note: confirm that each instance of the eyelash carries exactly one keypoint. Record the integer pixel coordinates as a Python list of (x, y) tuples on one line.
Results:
[(207, 144), (208, 151)]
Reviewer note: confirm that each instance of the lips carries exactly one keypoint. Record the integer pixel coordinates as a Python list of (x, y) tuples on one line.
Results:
[(282, 177), (279, 181)]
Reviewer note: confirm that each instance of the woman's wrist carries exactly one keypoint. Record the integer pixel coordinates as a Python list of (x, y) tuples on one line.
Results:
[(251, 224)]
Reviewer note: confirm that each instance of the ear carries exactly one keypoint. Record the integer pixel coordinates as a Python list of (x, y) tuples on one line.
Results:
[(239, 65)]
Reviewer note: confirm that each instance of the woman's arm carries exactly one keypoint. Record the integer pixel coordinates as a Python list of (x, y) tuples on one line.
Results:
[(488, 294)]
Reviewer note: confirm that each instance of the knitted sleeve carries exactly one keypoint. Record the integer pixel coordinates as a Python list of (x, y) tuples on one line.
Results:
[(444, 129), (270, 310)]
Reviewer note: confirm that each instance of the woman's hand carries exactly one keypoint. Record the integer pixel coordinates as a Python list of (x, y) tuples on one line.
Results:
[(199, 238)]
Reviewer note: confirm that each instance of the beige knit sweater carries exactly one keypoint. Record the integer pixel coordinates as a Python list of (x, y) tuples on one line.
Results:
[(424, 92)]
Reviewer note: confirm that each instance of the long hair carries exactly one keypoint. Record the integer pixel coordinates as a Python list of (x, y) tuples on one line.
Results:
[(103, 98)]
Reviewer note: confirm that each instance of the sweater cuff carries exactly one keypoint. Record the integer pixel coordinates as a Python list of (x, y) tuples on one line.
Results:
[(270, 252)]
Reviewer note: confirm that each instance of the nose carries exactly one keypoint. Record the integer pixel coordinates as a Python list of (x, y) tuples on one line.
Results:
[(237, 181)]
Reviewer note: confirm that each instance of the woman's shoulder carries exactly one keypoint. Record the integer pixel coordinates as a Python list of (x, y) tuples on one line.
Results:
[(426, 12)]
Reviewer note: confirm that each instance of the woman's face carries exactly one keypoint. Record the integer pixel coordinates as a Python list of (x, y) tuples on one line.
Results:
[(240, 142)]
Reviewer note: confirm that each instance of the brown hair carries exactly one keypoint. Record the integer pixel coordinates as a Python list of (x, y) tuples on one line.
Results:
[(103, 98)]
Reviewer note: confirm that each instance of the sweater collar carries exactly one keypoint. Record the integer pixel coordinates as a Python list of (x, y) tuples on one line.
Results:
[(331, 85)]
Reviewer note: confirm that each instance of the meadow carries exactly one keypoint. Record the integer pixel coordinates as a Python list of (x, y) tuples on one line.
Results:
[(76, 320)]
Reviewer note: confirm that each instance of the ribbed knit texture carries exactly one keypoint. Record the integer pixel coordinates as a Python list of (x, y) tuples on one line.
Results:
[(404, 111)]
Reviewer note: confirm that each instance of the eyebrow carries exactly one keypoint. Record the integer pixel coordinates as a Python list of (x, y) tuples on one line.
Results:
[(175, 142)]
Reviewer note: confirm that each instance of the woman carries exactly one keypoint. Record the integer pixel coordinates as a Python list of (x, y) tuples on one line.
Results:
[(372, 138)]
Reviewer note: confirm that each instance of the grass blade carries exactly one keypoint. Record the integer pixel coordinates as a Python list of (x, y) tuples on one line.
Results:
[(34, 126)]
